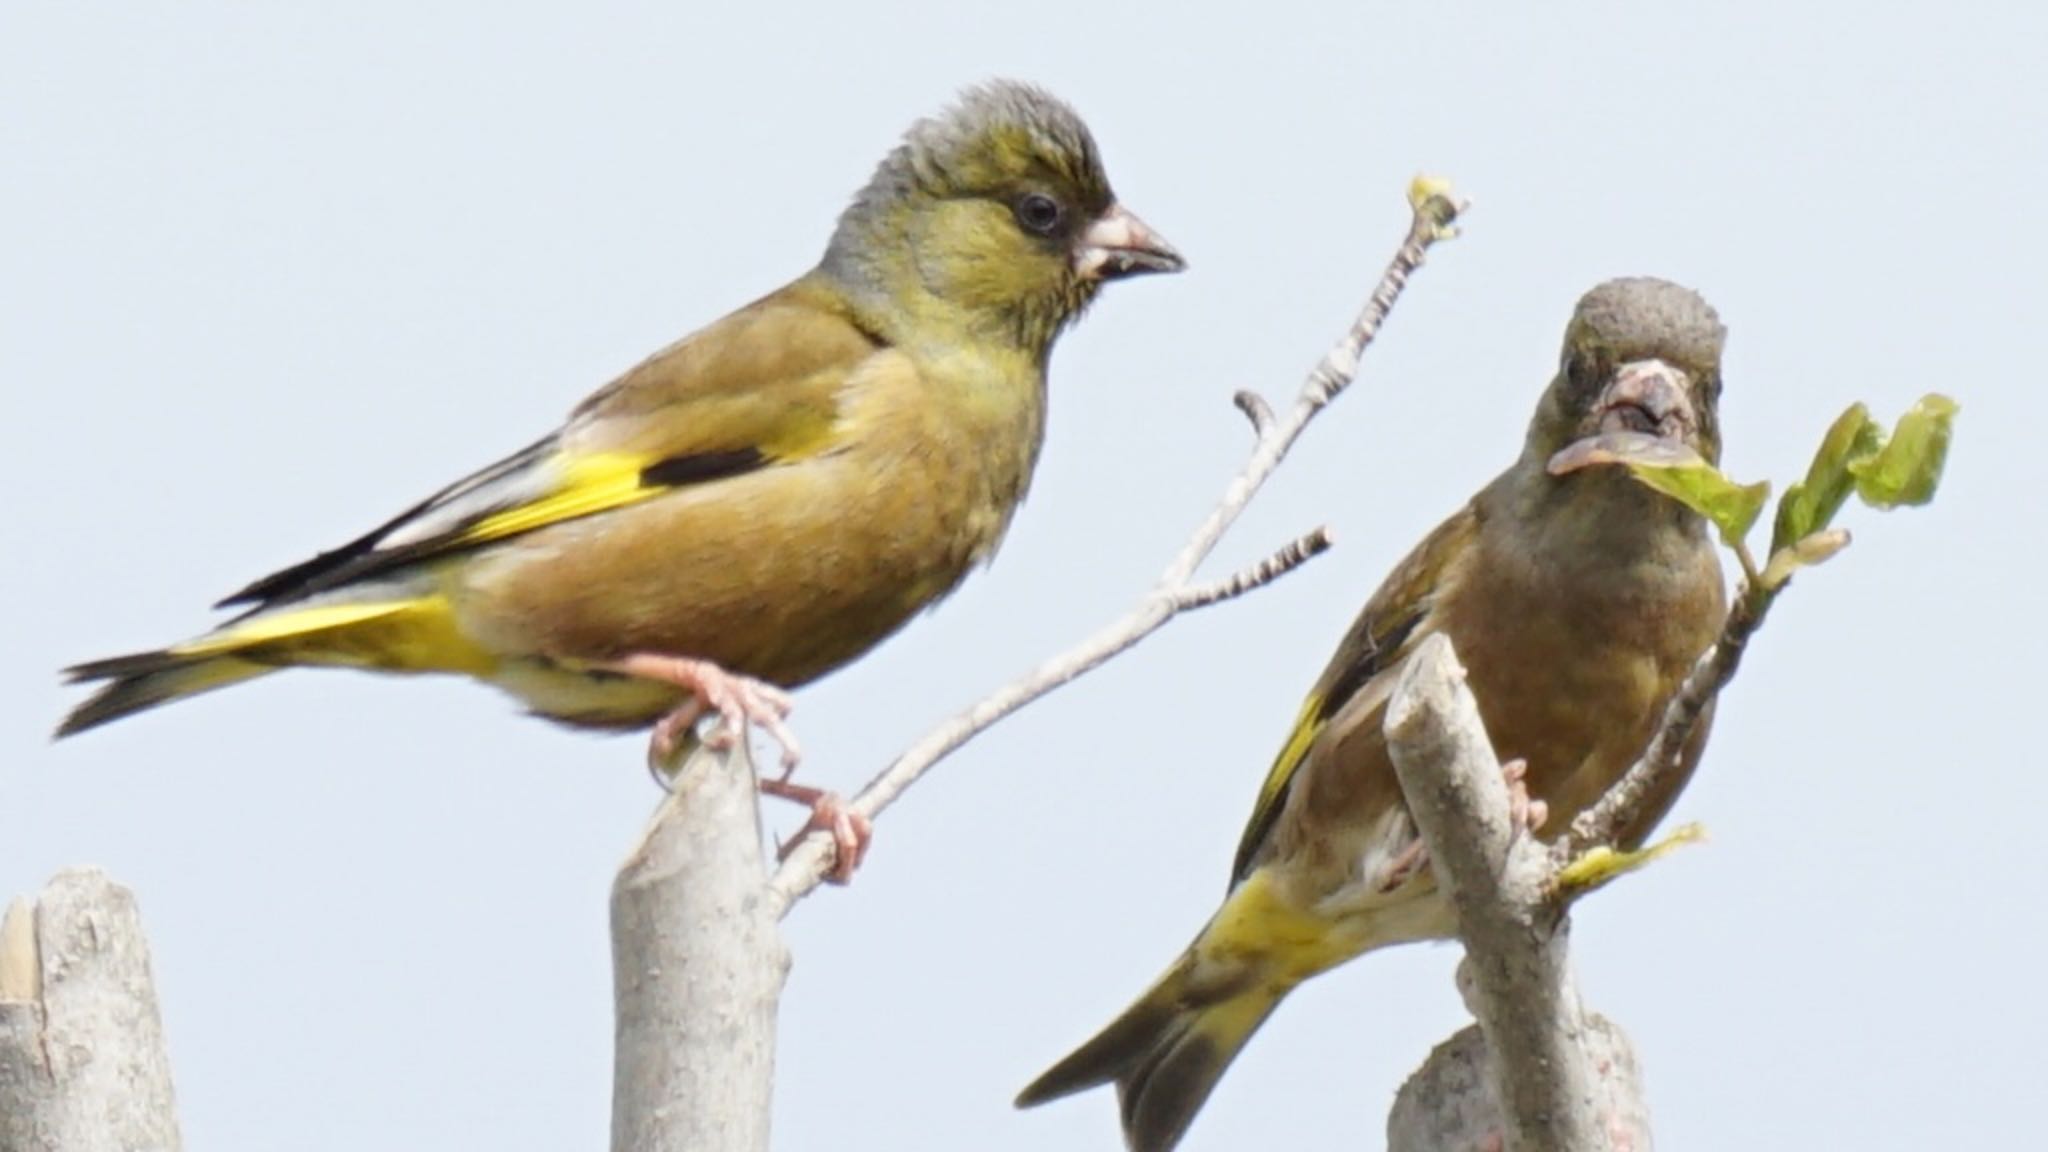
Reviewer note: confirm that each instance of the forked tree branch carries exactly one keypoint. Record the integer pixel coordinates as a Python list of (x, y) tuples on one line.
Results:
[(1541, 1071), (698, 963), (1550, 1089), (1435, 213), (697, 959)]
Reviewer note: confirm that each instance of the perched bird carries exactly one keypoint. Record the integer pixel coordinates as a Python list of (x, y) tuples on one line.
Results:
[(753, 506), (1577, 600)]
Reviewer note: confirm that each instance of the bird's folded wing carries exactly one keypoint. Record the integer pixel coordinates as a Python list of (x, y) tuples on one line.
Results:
[(1387, 628), (761, 387)]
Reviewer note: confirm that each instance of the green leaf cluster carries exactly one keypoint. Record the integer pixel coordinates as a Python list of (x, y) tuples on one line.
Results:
[(1883, 469)]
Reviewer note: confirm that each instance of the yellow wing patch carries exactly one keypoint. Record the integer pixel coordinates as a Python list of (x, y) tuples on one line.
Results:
[(1307, 726), (590, 484)]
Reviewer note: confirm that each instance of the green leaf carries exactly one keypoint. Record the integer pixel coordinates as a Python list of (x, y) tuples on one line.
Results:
[(1907, 470), (1810, 505), (1675, 470)]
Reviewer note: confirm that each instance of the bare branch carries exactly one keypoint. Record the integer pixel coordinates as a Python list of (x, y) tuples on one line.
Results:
[(1290, 556), (82, 1059), (1434, 210), (1256, 410), (697, 969), (1550, 1091), (1547, 1053)]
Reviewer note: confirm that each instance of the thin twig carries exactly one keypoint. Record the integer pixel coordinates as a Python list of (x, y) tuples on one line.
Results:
[(1434, 217), (1435, 212), (1256, 410), (1290, 556)]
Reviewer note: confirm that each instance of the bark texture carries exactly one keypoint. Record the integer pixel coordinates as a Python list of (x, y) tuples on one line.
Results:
[(697, 969), (82, 1060), (1538, 1064)]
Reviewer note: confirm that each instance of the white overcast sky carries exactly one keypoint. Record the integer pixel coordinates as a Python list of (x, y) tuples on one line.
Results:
[(272, 272)]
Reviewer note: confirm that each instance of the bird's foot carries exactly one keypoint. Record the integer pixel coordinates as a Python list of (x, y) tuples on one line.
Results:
[(666, 741), (1525, 813), (738, 700), (851, 831), (1406, 863)]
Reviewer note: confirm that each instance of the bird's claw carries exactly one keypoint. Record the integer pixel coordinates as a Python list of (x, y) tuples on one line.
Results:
[(1525, 813), (743, 701), (738, 700), (668, 734), (1406, 863), (851, 832)]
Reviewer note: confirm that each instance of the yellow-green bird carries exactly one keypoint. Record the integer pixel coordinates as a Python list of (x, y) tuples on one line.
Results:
[(1577, 600), (755, 505)]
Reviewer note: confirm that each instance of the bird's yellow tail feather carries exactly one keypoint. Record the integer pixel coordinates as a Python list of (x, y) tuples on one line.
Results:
[(415, 634), (1166, 1053), (130, 692)]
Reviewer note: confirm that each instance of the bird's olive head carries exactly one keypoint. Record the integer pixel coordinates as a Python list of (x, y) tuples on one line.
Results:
[(999, 211), (1640, 373)]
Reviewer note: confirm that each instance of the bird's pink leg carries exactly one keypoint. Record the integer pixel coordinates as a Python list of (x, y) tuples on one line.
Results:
[(1405, 864), (851, 831), (739, 702), (1525, 814)]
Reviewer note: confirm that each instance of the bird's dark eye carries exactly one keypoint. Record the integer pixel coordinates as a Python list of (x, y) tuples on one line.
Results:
[(1583, 371), (1039, 214)]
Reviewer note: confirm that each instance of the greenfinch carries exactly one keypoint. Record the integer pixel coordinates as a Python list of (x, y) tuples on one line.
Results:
[(1577, 600), (753, 506)]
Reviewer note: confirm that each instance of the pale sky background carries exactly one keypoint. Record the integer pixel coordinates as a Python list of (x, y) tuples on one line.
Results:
[(272, 272)]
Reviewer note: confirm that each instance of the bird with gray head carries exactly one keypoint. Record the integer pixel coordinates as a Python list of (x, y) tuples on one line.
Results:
[(1577, 600)]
